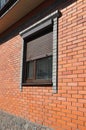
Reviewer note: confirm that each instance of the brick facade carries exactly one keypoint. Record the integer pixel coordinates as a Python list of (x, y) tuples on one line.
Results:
[(65, 110)]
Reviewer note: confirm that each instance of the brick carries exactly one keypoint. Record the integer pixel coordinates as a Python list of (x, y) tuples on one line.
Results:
[(72, 84), (66, 110), (72, 53), (82, 127), (72, 92), (72, 125), (78, 63), (66, 95), (82, 118), (77, 122), (82, 109), (66, 119), (72, 108), (82, 92), (82, 100), (62, 98), (82, 75), (77, 96), (72, 99), (82, 84), (79, 79), (79, 113), (78, 72)]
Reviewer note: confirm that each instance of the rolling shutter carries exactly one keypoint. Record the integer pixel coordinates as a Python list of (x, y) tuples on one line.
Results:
[(40, 47)]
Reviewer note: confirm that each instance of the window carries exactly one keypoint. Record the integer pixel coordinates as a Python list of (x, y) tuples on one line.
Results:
[(2, 3), (38, 57), (5, 6), (40, 52), (39, 70), (44, 68)]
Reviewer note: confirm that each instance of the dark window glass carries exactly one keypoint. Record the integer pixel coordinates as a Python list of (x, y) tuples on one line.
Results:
[(30, 69), (44, 68)]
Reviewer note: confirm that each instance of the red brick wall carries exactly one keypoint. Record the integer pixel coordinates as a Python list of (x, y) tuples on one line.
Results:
[(65, 110)]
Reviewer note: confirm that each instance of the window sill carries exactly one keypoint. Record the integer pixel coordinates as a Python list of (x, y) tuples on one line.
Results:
[(37, 84)]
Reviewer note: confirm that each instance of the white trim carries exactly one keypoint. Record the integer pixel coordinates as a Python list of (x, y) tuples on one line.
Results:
[(54, 70), (21, 65)]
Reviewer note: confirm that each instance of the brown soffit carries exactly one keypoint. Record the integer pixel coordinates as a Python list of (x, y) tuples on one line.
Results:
[(16, 12)]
